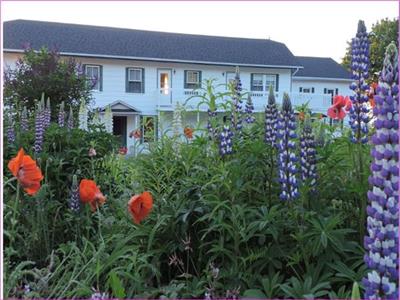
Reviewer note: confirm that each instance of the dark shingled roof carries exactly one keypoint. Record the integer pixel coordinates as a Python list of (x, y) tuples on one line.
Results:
[(324, 67), (96, 40)]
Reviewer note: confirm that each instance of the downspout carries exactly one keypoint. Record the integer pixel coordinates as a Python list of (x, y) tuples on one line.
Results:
[(291, 79)]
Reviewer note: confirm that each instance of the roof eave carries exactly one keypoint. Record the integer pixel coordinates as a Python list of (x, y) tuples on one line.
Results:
[(164, 60), (321, 78)]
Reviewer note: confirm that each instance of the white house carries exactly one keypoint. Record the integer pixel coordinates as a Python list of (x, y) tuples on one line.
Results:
[(142, 74)]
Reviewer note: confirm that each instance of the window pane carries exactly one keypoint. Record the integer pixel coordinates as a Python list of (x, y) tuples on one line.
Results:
[(134, 87), (192, 77), (135, 75), (95, 71)]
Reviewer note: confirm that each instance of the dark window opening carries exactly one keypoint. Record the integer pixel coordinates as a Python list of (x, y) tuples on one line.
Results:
[(119, 129)]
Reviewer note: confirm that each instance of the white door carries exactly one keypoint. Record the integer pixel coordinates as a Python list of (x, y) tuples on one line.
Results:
[(164, 84)]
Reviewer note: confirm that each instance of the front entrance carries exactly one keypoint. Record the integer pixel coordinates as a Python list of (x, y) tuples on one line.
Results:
[(119, 129), (164, 83)]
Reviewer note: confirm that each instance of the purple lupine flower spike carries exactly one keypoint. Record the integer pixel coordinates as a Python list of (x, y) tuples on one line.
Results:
[(211, 116), (382, 240), (249, 111), (70, 123), (24, 120), (286, 149), (73, 201), (271, 119), (47, 114), (61, 115), (236, 117), (359, 64), (10, 130), (308, 156), (225, 141), (39, 127)]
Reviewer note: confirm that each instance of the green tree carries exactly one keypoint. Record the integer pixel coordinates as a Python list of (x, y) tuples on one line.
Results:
[(44, 71), (382, 34)]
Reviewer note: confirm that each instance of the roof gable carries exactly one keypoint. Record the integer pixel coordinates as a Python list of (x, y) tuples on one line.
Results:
[(322, 67), (95, 40)]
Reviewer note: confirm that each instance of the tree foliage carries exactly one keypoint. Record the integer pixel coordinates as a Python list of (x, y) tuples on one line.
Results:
[(44, 71)]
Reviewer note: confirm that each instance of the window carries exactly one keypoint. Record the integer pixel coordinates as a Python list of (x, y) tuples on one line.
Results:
[(307, 90), (134, 80), (149, 129), (94, 75), (192, 79), (262, 82)]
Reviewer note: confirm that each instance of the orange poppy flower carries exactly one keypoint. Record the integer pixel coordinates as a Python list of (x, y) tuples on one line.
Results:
[(340, 105), (188, 132), (90, 193), (302, 115), (140, 206), (25, 169)]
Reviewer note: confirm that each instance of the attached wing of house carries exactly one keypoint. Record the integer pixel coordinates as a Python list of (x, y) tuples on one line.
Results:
[(147, 72)]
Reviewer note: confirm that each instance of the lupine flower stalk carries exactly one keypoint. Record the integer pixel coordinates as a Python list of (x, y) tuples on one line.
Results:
[(10, 130), (286, 149), (61, 115), (24, 119), (70, 122), (83, 116), (108, 119), (225, 141), (46, 114), (271, 119), (73, 201), (237, 112), (177, 120), (211, 117), (360, 65), (39, 126), (308, 155), (249, 111), (382, 241)]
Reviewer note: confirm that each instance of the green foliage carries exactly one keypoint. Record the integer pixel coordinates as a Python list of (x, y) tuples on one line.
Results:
[(45, 72)]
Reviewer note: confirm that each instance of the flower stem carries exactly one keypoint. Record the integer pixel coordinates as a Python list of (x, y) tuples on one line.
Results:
[(14, 218)]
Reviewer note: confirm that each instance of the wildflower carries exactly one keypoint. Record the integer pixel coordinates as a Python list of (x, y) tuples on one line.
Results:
[(286, 147), (70, 123), (372, 93), (225, 141), (211, 116), (108, 119), (382, 240), (46, 113), (249, 111), (73, 202), (301, 116), (340, 105), (123, 150), (92, 152), (359, 64), (61, 115), (177, 120), (236, 116), (271, 119), (39, 127), (83, 116), (10, 130), (90, 193), (97, 295), (135, 134), (24, 120), (308, 155), (188, 132), (25, 169), (139, 206)]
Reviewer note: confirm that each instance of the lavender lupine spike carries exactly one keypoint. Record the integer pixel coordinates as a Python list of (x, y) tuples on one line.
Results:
[(211, 116), (83, 116), (24, 119), (308, 155), (10, 130), (70, 123), (225, 141), (39, 127), (382, 241), (249, 111), (61, 115), (47, 114), (360, 65), (286, 149), (237, 112), (271, 119), (73, 201)]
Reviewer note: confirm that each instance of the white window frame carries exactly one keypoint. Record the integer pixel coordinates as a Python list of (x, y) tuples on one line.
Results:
[(264, 76), (193, 72), (140, 75), (91, 78)]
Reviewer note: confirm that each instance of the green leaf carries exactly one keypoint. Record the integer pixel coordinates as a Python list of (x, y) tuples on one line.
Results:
[(116, 285), (355, 293), (254, 293)]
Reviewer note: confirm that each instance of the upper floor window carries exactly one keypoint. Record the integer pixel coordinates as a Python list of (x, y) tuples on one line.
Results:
[(134, 80), (94, 75), (192, 79), (261, 82)]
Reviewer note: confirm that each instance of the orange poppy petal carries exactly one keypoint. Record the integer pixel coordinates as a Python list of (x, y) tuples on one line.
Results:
[(147, 200), (15, 163)]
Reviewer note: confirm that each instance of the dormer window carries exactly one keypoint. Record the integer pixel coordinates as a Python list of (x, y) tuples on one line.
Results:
[(192, 79)]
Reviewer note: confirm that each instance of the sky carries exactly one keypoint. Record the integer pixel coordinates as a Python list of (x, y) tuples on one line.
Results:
[(308, 28)]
